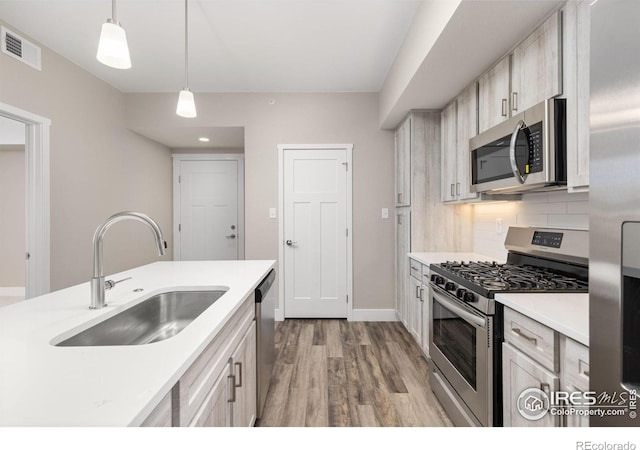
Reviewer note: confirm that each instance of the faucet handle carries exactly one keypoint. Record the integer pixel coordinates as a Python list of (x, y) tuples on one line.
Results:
[(109, 284)]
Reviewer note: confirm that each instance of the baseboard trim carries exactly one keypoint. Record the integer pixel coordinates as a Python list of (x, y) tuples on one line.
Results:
[(278, 314), (12, 291), (374, 315)]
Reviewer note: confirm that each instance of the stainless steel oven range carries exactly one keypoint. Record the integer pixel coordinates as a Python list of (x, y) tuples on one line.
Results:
[(466, 328)]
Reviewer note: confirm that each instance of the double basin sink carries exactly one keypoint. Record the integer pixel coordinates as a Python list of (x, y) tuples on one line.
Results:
[(155, 319)]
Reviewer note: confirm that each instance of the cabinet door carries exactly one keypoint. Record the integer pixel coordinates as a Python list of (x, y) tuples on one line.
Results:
[(403, 247), (244, 374), (215, 410), (467, 127), (448, 152), (414, 300), (519, 372), (493, 90), (576, 17), (403, 163), (536, 66)]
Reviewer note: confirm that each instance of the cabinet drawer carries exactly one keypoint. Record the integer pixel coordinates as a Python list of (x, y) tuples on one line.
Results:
[(576, 363), (426, 273), (161, 415), (191, 391), (415, 269), (531, 337)]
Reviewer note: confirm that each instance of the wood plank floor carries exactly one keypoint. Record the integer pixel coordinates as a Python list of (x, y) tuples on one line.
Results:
[(339, 373)]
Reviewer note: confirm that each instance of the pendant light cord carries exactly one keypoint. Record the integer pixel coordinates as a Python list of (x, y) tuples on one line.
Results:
[(113, 11), (186, 45)]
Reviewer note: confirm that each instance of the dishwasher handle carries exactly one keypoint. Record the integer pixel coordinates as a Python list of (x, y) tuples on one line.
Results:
[(265, 285)]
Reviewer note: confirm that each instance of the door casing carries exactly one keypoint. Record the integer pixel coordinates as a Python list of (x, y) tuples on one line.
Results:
[(279, 313), (177, 158)]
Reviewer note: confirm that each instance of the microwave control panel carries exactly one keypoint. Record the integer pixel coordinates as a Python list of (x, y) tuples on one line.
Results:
[(534, 138)]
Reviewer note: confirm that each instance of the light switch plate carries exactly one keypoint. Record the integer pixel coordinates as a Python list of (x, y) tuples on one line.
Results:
[(385, 213), (272, 213), (498, 226)]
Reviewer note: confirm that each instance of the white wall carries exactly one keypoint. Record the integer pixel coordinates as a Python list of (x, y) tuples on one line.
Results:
[(302, 119), (551, 209), (98, 166), (12, 215)]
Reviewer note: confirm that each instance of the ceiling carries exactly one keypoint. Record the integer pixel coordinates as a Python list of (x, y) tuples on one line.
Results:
[(229, 138), (234, 45)]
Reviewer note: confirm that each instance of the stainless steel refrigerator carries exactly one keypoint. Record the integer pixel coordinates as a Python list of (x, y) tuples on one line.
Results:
[(614, 272)]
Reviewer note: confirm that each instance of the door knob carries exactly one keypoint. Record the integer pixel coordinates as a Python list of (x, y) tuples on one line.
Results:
[(290, 242)]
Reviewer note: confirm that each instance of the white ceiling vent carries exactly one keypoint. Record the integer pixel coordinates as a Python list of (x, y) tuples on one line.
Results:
[(16, 46)]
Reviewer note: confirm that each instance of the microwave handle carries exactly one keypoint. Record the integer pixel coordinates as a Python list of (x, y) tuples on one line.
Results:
[(512, 152)]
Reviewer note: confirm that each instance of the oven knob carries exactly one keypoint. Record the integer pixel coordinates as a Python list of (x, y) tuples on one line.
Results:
[(449, 286), (439, 280), (433, 278), (460, 293), (468, 297)]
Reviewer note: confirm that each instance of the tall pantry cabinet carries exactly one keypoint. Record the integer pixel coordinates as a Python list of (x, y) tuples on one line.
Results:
[(423, 223)]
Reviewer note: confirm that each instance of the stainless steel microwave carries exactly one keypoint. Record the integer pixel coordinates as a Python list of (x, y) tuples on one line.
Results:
[(525, 152)]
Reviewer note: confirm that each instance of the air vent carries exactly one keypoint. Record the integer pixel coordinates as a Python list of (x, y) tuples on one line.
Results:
[(19, 48)]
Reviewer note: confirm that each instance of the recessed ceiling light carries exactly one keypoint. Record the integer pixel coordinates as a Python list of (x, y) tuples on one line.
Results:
[(204, 139)]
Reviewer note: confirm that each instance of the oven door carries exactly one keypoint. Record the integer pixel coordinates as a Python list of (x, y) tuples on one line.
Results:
[(460, 347)]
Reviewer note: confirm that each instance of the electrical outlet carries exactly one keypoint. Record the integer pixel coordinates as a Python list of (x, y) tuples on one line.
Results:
[(498, 226), (385, 213), (272, 213)]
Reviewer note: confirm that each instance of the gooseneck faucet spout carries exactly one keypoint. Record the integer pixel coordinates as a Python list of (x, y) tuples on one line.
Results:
[(97, 280)]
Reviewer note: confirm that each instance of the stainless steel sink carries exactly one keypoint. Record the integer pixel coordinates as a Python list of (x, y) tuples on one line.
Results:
[(155, 319)]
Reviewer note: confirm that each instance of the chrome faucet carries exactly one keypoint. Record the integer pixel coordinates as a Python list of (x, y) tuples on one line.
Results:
[(98, 284)]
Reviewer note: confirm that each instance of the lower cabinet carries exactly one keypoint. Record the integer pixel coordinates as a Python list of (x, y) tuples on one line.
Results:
[(219, 389), (417, 304), (535, 356)]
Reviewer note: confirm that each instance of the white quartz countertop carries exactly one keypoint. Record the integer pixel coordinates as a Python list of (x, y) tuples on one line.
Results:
[(566, 313), (438, 257), (44, 385)]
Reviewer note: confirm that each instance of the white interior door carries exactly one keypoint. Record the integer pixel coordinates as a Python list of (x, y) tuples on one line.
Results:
[(315, 233), (208, 221)]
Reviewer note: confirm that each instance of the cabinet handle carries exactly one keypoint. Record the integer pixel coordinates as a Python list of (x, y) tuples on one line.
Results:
[(422, 295), (545, 387), (417, 291), (586, 372), (239, 366), (231, 385), (504, 107), (452, 190), (457, 188), (399, 219), (414, 268), (524, 336), (514, 101), (400, 197)]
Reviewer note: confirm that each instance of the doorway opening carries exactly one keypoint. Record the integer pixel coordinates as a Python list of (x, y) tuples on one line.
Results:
[(36, 251)]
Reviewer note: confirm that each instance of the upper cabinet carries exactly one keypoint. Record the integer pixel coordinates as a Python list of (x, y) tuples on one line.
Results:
[(494, 92), (403, 163), (459, 123), (536, 66), (530, 74)]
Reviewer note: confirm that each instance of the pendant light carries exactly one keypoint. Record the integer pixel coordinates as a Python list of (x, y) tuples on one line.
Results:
[(186, 103), (113, 50)]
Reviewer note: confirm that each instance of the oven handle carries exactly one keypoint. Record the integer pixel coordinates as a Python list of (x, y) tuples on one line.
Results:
[(512, 152), (454, 307)]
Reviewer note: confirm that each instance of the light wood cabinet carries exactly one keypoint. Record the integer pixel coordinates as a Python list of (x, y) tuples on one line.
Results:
[(219, 389), (493, 95), (519, 373), (531, 74), (403, 247), (403, 163), (536, 66), (574, 377), (414, 298), (161, 414), (459, 123), (576, 67)]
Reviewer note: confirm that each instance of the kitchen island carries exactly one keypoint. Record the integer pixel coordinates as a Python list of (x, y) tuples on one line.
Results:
[(45, 385)]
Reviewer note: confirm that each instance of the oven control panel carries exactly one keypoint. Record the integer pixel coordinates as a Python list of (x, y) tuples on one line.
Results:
[(547, 239)]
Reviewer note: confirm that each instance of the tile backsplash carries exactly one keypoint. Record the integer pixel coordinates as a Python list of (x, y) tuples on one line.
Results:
[(549, 209)]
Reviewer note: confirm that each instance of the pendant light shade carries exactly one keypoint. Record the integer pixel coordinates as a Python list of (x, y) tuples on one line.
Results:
[(186, 103), (113, 50)]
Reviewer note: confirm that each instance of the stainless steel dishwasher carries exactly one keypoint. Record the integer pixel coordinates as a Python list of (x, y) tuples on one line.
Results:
[(265, 321)]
